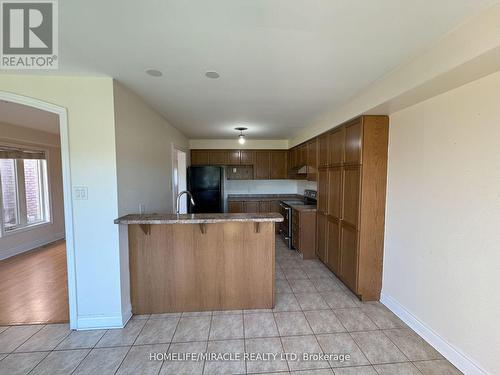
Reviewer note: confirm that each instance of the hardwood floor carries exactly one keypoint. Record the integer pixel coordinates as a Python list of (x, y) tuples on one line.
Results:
[(34, 287)]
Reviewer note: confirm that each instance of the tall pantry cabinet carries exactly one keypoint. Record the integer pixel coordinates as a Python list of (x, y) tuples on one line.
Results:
[(352, 175)]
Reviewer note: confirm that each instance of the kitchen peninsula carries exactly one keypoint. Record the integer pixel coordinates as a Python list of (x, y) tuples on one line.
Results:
[(201, 262)]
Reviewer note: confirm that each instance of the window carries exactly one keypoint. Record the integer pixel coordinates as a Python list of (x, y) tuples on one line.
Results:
[(24, 199)]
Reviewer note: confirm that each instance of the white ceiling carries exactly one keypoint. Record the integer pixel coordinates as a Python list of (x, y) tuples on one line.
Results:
[(28, 117), (282, 63)]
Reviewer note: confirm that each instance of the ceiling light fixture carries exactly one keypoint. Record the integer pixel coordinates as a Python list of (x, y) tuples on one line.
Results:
[(241, 137), (154, 72), (212, 75)]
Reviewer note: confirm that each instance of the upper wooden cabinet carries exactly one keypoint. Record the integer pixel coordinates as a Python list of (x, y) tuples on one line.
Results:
[(336, 147), (323, 141), (234, 157), (199, 157), (278, 160), (218, 157), (312, 160), (246, 157), (262, 165), (353, 134)]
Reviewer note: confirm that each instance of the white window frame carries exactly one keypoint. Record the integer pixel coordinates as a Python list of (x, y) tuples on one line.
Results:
[(46, 198)]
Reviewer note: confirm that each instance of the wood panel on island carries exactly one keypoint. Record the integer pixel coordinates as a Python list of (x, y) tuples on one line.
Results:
[(195, 262)]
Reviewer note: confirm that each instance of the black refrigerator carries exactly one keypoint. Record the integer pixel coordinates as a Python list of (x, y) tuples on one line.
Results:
[(206, 185)]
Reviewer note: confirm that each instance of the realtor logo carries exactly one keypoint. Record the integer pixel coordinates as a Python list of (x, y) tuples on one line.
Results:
[(29, 34)]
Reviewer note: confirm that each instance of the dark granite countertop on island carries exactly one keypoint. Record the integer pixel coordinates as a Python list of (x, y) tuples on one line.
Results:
[(198, 218)]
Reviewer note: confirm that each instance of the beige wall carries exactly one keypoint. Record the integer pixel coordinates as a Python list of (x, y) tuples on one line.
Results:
[(442, 245), (16, 243), (144, 142)]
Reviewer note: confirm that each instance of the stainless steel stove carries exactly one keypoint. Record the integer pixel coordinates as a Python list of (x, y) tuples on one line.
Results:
[(287, 212)]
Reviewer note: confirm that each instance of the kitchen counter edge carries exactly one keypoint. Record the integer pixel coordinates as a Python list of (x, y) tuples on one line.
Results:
[(198, 218)]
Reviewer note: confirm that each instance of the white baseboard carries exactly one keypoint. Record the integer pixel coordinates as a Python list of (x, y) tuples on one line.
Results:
[(452, 354), (102, 322), (27, 246)]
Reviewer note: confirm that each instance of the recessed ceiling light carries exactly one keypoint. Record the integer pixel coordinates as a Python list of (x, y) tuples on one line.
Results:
[(154, 72), (212, 75)]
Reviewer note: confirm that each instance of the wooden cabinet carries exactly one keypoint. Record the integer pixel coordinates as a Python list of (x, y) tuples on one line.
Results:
[(321, 231), (336, 147), (334, 192), (323, 141), (312, 160), (246, 157), (251, 207), (351, 202), (333, 243), (353, 132), (323, 190), (304, 232), (234, 157), (218, 157), (278, 161), (265, 206), (199, 157), (261, 167), (349, 256), (235, 207)]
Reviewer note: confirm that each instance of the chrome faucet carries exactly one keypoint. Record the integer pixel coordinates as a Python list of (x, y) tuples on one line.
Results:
[(179, 199)]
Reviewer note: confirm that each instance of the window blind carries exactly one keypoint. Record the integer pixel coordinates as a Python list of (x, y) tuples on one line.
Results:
[(20, 153)]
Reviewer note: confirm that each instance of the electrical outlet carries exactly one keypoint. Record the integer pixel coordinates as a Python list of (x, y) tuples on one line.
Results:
[(80, 192)]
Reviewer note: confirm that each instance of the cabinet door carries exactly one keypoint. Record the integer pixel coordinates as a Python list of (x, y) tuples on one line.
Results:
[(234, 157), (312, 160), (265, 206), (303, 155), (353, 143), (251, 207), (335, 192), (279, 165), (218, 157), (349, 255), (336, 147), (199, 157), (334, 245), (323, 150), (246, 157), (275, 207), (323, 191), (262, 164), (350, 191), (321, 249), (235, 207)]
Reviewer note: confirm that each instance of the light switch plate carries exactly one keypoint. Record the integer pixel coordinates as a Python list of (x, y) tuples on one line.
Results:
[(80, 192)]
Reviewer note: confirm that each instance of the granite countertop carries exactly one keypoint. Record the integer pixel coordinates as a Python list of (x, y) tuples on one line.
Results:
[(262, 197), (301, 207), (197, 218)]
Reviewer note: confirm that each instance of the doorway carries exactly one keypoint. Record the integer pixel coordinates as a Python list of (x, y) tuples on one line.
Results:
[(36, 228), (179, 180)]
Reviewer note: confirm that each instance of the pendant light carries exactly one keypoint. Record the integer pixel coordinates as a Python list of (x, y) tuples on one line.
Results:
[(241, 137)]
